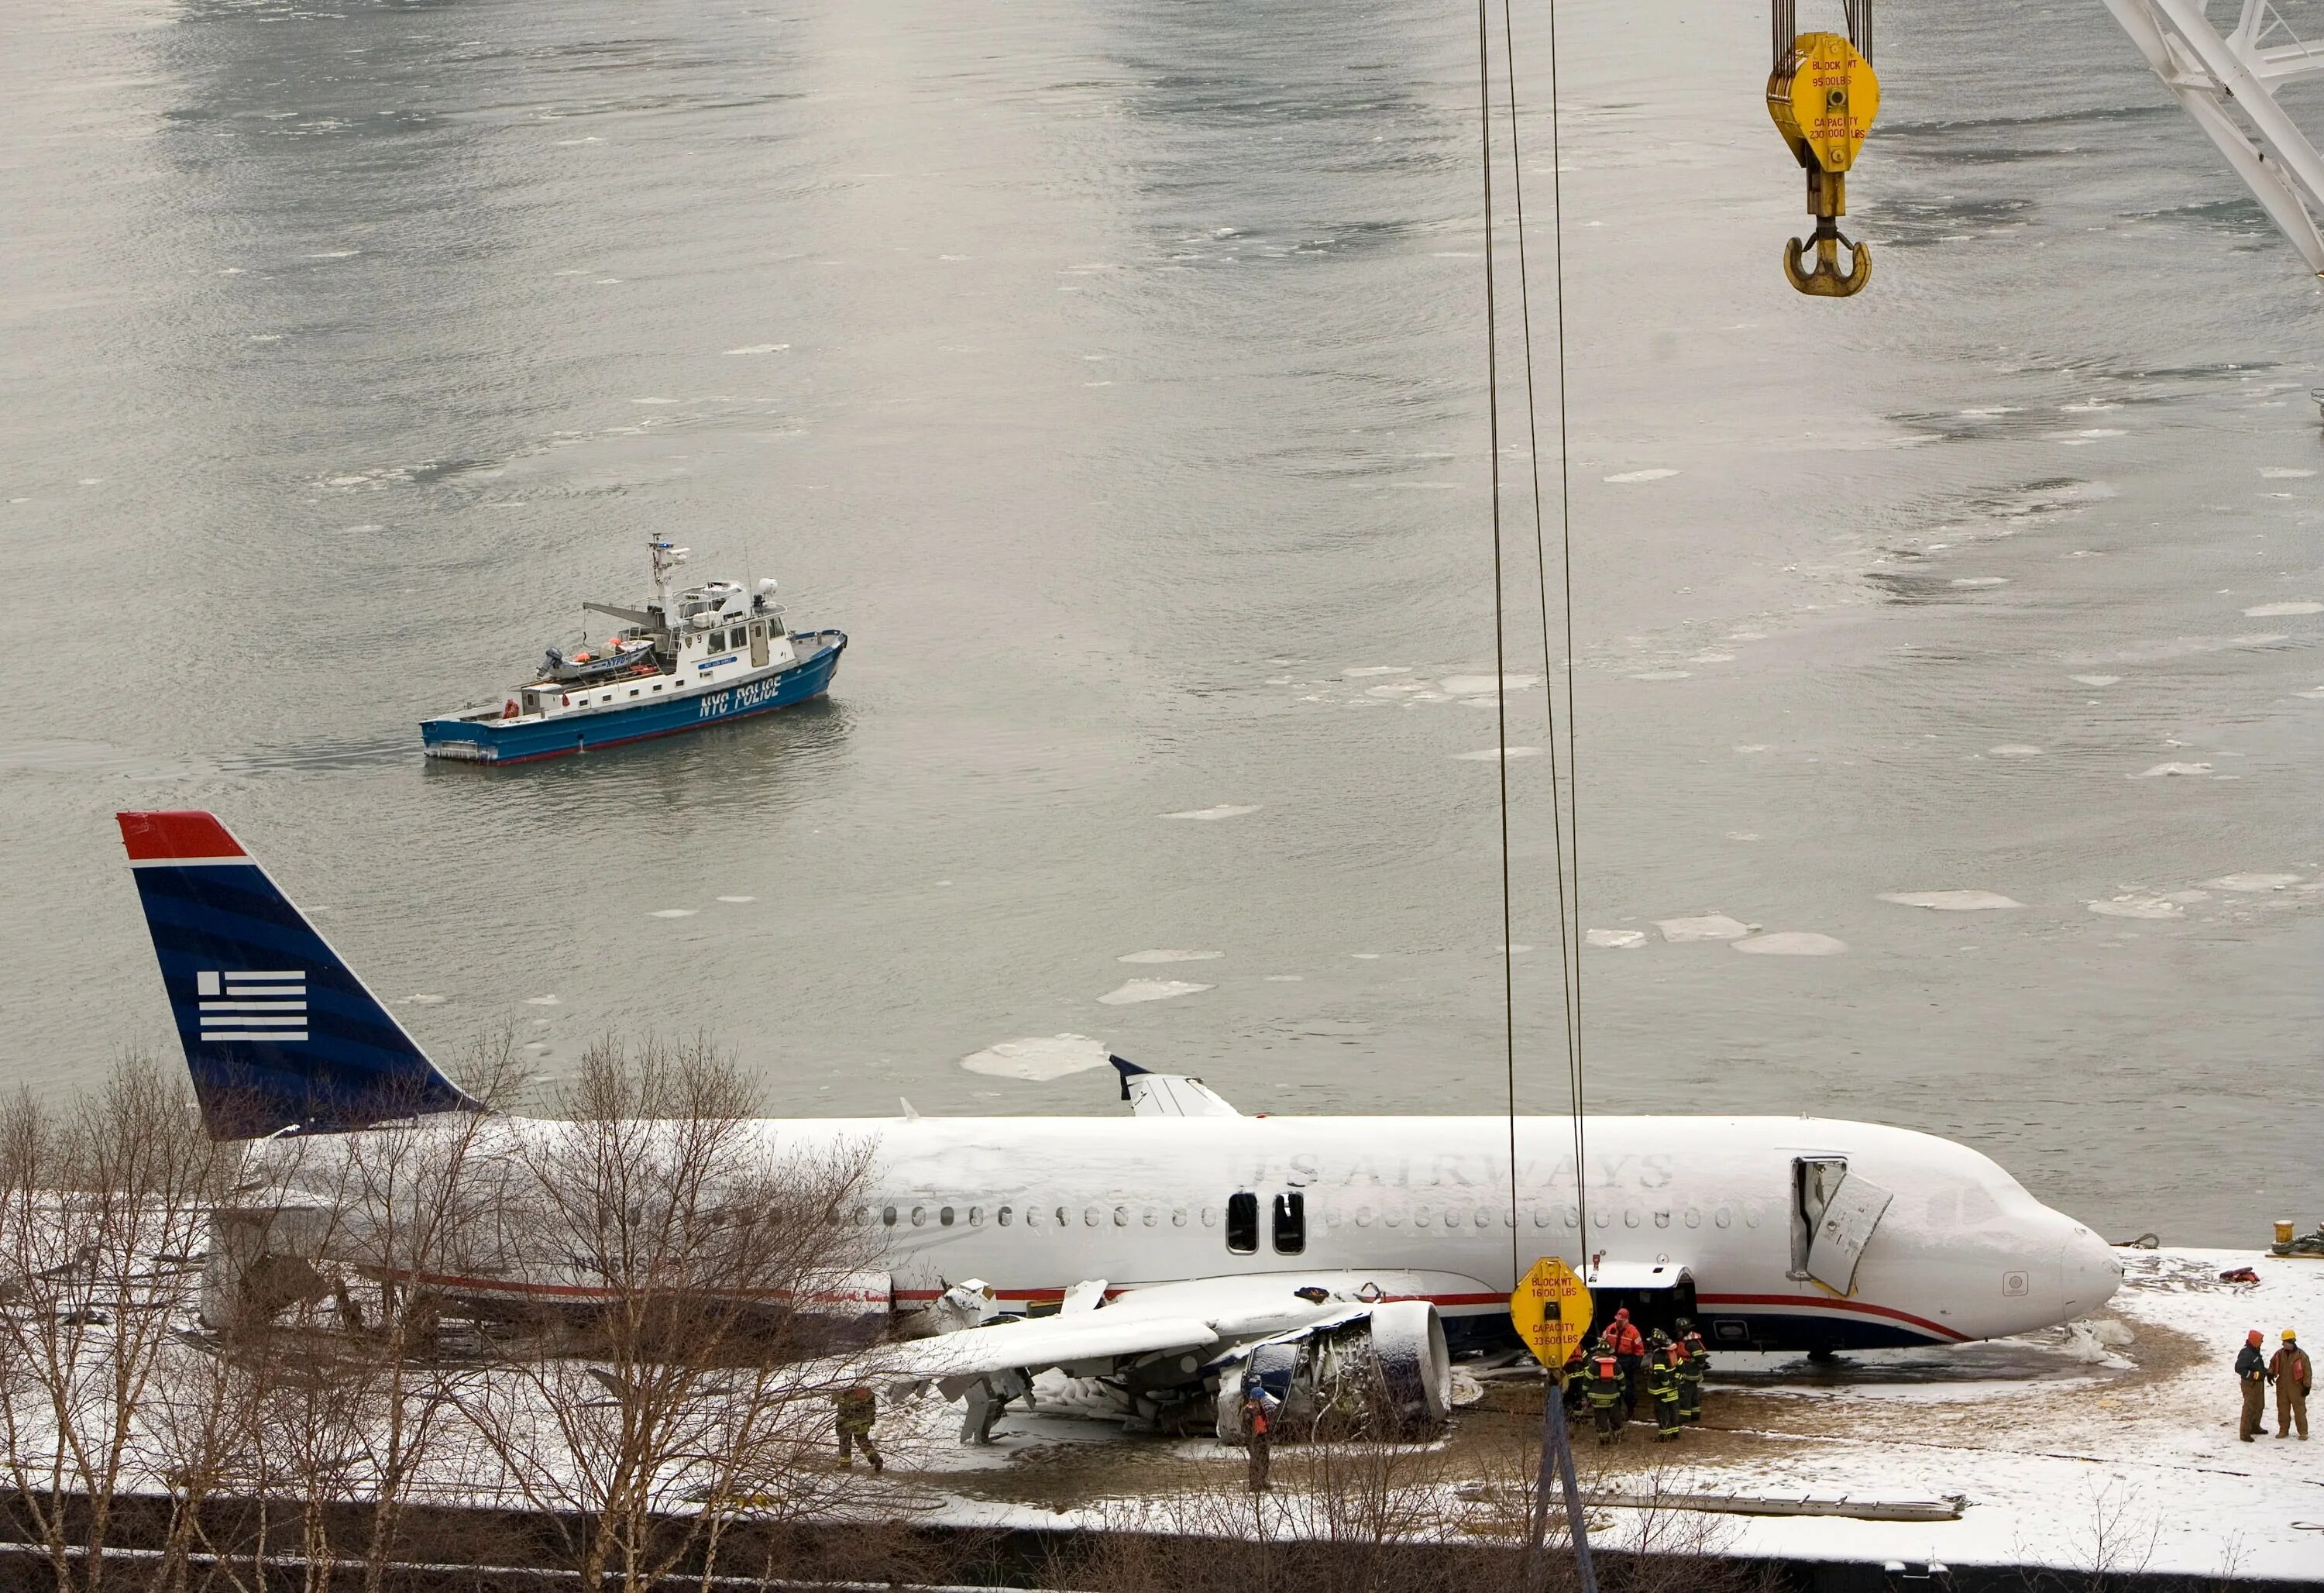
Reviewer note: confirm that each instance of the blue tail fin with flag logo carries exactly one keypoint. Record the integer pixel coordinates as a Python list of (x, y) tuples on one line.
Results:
[(279, 1033)]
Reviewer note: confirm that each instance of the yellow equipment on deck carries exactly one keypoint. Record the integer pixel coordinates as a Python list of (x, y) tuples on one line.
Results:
[(1823, 96)]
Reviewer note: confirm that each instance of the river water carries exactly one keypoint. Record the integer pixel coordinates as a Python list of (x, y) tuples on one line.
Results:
[(1114, 375)]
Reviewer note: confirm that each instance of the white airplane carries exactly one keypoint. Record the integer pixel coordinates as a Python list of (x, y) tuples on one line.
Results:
[(1153, 1256)]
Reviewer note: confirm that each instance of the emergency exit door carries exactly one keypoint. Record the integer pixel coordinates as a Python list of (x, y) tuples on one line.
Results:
[(1834, 1212)]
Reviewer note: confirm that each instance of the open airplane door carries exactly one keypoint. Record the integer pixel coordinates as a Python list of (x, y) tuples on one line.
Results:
[(1850, 1213)]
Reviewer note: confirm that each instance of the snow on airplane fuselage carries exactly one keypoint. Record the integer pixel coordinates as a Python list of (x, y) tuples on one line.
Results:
[(1790, 1233)]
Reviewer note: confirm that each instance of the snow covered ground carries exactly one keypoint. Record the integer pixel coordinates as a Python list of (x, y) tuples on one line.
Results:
[(2109, 1446)]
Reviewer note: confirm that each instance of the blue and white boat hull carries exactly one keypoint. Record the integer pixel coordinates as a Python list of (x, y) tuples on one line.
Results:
[(490, 740)]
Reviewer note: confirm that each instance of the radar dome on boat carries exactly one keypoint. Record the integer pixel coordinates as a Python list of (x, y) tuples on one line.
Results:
[(767, 585)]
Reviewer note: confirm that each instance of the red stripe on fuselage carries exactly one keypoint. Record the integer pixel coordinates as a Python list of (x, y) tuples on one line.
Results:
[(1472, 1303), (1861, 1307), (168, 835)]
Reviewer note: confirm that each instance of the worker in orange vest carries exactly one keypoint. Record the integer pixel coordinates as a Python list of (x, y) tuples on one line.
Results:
[(2295, 1376), (1603, 1384), (1630, 1351), (1258, 1408)]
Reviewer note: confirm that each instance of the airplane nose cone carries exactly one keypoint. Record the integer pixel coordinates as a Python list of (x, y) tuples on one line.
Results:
[(2089, 1271)]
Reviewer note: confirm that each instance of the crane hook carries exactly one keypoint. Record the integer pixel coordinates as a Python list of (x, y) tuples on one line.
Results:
[(1827, 202), (1825, 280)]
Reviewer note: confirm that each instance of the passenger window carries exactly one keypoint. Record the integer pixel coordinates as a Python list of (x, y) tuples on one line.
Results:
[(1002, 1217), (1242, 1223), (1290, 1224), (944, 1217)]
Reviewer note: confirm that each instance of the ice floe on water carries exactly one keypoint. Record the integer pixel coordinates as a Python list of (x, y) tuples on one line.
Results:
[(1714, 926), (2253, 882), (1494, 754), (736, 901), (1980, 580), (542, 1001), (1615, 940), (1285, 978), (428, 1001), (1793, 943), (675, 911), (1952, 901), (1039, 1057), (1483, 685), (2161, 771), (2014, 749), (1630, 475), (760, 349), (1171, 954), (2280, 610), (1363, 672), (1223, 810), (1138, 990), (1662, 675), (2283, 473), (2098, 680), (2138, 905), (2184, 647), (1396, 688)]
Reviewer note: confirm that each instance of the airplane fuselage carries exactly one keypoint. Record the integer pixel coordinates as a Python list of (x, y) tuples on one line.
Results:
[(1031, 1206)]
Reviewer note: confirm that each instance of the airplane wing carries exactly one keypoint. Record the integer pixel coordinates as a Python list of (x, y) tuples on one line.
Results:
[(1210, 1315), (1049, 1341), (1168, 1095)]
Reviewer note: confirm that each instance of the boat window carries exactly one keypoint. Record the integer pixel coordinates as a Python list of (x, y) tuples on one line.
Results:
[(976, 1217), (657, 688), (1290, 1222), (944, 1217), (919, 1217), (633, 692), (1242, 1223), (1002, 1217), (888, 1216)]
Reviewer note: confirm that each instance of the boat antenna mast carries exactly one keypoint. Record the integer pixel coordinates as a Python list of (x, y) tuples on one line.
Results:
[(667, 557)]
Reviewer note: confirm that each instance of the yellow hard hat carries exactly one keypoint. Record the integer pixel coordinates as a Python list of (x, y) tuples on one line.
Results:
[(2289, 1335)]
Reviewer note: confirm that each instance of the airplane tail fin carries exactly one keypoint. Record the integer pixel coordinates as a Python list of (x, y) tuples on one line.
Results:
[(279, 1033)]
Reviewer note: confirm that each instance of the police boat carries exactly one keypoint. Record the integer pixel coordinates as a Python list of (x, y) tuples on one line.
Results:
[(700, 656)]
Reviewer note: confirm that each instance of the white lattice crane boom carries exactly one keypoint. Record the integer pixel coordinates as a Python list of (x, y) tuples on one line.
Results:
[(2228, 84)]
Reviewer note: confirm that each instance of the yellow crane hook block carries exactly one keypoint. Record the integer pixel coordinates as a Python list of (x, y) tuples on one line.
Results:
[(1823, 96)]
